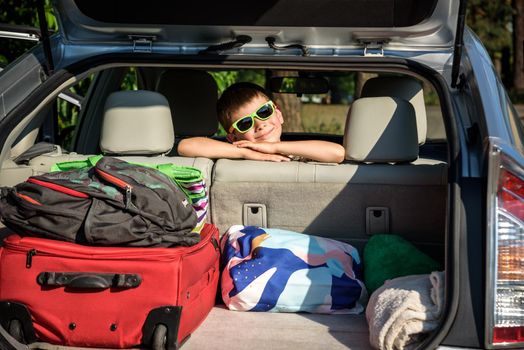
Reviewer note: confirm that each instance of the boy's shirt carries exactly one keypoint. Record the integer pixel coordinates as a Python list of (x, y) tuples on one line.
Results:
[(299, 158)]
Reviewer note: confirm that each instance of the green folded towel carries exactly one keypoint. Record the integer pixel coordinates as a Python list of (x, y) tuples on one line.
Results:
[(387, 256)]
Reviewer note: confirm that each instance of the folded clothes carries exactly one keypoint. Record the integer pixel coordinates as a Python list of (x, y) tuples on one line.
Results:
[(404, 310)]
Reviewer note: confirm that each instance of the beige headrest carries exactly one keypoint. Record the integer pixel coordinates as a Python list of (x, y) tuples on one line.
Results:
[(405, 88), (137, 122), (381, 130)]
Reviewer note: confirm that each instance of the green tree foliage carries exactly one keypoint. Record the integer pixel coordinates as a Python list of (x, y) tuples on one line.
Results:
[(491, 20), (68, 113), (24, 13), (227, 78), (21, 12)]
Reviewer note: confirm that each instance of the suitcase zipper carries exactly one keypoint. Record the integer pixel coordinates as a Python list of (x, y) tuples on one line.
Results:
[(214, 243), (146, 254), (118, 182), (29, 258), (30, 254)]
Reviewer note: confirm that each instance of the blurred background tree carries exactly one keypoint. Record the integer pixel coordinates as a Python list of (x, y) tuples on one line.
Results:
[(21, 12), (518, 46), (492, 22), (500, 26)]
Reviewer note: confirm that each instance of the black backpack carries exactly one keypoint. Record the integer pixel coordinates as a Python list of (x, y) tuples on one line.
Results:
[(114, 203)]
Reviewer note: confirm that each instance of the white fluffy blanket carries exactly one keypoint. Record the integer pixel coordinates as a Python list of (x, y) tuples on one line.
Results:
[(404, 310)]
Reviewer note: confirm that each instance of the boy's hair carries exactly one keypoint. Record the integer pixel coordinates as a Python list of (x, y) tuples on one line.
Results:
[(234, 97)]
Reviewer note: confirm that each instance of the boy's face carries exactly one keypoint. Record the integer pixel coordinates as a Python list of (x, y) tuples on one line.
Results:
[(263, 130)]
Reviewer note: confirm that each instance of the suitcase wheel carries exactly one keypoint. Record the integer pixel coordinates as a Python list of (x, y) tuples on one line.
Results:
[(15, 329), (160, 330), (159, 338)]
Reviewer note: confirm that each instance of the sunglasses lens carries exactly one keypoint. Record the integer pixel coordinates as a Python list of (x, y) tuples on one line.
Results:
[(265, 111), (245, 124)]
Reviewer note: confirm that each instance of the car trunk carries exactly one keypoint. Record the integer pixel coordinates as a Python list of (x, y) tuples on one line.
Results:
[(337, 202), (333, 201), (224, 329)]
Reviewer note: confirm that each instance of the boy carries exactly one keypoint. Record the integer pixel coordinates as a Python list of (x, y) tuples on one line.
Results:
[(254, 125)]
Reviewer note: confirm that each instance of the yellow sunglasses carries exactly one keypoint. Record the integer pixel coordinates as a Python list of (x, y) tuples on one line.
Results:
[(246, 123)]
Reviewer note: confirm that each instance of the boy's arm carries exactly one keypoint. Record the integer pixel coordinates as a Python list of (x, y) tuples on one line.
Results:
[(209, 148), (321, 151)]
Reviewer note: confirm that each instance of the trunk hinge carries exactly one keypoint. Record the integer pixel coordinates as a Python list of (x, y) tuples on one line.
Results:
[(373, 47), (142, 43), (459, 43)]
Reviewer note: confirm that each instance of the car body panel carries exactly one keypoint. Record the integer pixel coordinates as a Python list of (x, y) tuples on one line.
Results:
[(84, 44), (436, 32)]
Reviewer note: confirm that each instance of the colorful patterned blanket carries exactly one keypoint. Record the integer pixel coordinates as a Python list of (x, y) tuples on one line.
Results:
[(284, 271)]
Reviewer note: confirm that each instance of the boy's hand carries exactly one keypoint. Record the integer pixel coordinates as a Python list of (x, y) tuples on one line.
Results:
[(264, 147), (265, 156), (250, 154)]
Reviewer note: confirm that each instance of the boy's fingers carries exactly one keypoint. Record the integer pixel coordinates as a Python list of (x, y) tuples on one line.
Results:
[(256, 155), (279, 158), (241, 143)]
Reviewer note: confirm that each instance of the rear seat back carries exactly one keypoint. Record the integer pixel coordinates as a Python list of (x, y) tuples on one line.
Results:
[(137, 127), (378, 189)]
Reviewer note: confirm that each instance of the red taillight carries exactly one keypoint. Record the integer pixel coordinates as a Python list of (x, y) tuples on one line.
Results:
[(512, 182), (511, 193), (508, 334), (506, 252)]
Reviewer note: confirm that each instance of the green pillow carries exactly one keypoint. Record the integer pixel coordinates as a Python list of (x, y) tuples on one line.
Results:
[(388, 256)]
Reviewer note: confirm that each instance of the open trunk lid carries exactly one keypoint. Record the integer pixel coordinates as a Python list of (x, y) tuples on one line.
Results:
[(399, 24)]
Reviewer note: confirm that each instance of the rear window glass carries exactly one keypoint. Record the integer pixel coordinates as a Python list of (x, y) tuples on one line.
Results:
[(317, 113), (301, 13), (326, 113)]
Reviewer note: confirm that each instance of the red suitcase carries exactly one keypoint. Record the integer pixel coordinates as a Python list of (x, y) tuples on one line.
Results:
[(110, 297)]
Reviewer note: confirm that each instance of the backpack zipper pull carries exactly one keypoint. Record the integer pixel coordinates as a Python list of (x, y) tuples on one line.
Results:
[(128, 197), (119, 183), (29, 258)]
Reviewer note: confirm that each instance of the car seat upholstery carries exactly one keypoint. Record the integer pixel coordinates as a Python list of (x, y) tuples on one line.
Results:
[(13, 169), (13, 173), (137, 127), (340, 200), (136, 122), (24, 143), (392, 137), (192, 95), (405, 88)]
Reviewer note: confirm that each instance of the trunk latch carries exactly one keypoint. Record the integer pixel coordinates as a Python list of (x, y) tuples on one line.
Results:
[(373, 47), (142, 43)]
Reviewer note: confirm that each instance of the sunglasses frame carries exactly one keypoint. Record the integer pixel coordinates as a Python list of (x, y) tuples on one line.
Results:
[(253, 116)]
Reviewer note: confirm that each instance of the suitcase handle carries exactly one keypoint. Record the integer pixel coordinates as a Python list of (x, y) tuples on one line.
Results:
[(90, 280)]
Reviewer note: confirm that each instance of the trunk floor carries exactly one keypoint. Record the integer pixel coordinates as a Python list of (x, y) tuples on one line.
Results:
[(224, 329)]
